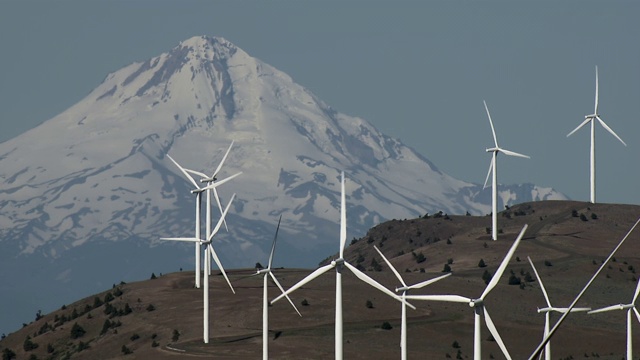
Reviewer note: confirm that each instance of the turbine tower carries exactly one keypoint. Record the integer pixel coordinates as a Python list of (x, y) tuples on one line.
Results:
[(493, 170), (209, 250), (478, 304), (405, 289), (547, 311), (631, 307), (590, 119), (265, 300), (338, 265)]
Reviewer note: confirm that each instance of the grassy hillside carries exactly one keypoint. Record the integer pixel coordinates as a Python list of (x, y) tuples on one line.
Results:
[(162, 318)]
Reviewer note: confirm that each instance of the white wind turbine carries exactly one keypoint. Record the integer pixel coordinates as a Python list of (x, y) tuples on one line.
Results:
[(631, 307), (339, 264), (493, 170), (209, 250), (404, 288), (265, 301), (590, 119), (547, 311), (478, 304), (212, 180), (198, 192)]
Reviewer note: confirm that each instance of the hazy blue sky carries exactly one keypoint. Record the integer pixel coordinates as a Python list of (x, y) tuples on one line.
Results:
[(417, 70)]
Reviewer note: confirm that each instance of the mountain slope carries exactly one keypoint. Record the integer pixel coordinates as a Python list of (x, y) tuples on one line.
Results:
[(97, 174)]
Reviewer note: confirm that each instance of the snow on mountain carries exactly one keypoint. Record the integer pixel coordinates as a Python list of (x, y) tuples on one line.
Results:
[(97, 173)]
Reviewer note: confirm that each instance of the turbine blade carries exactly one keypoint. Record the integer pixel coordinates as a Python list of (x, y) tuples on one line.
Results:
[(215, 230), (202, 175), (390, 266), (445, 298), (635, 296), (605, 309), (544, 291), (428, 282), (595, 109), (585, 122), (188, 239), (503, 265), (637, 314), (275, 280), (604, 125), (222, 161), (217, 198), (489, 173), (184, 172), (513, 153), (364, 277), (563, 310), (343, 220), (319, 271), (494, 331), (493, 130), (215, 258), (273, 246)]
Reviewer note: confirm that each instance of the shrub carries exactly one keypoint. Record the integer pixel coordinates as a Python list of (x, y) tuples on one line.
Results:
[(105, 327), (155, 344), (77, 331), (176, 335), (29, 345), (304, 302), (386, 326), (583, 217), (446, 269), (450, 261), (134, 337), (514, 280), (481, 264), (455, 344), (486, 276), (150, 307), (8, 354), (375, 265), (82, 346), (574, 213), (420, 258), (50, 349), (449, 242), (125, 350), (369, 304), (547, 263), (594, 216), (153, 276)]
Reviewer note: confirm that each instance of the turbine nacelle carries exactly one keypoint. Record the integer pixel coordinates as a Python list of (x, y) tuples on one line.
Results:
[(337, 262), (474, 303)]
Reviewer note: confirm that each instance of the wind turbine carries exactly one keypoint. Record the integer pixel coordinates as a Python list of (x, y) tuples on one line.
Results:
[(548, 310), (493, 170), (265, 301), (478, 304), (208, 249), (198, 192), (209, 180), (405, 289), (631, 307), (338, 265), (589, 119)]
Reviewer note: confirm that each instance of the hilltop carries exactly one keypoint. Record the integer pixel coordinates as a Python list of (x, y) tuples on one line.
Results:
[(567, 241)]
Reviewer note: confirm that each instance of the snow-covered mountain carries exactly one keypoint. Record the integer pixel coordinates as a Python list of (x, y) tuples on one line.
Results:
[(96, 177)]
